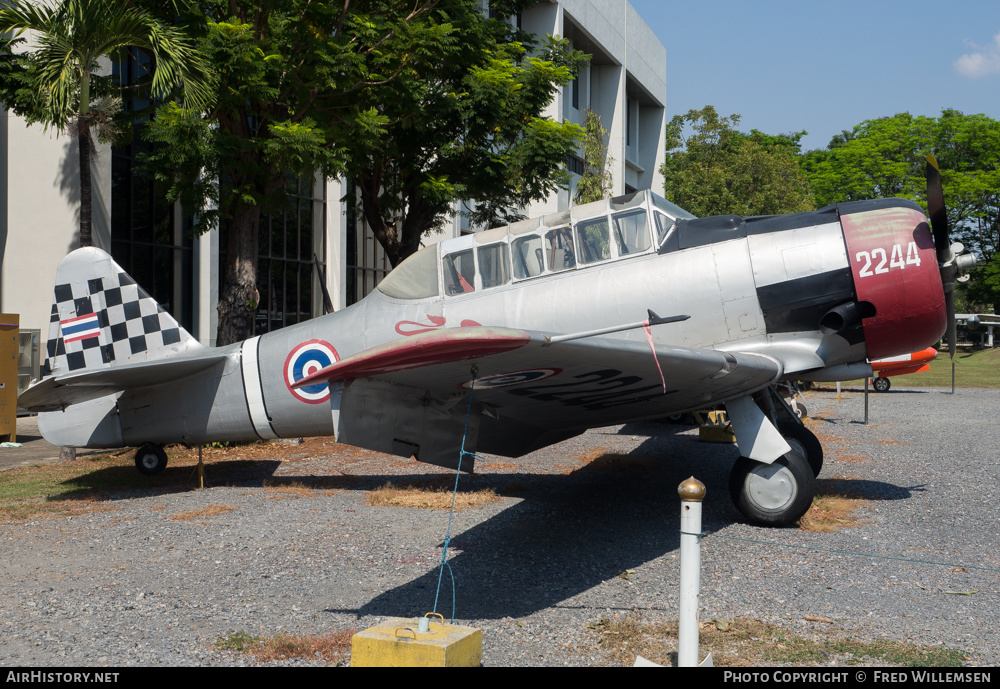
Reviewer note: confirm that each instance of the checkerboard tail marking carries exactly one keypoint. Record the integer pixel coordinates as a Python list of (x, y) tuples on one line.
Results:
[(102, 317)]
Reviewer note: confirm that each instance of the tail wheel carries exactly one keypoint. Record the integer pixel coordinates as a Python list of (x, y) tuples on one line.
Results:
[(881, 384), (775, 494), (804, 442), (150, 460)]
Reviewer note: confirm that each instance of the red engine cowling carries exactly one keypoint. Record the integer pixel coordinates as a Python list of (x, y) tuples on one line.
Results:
[(895, 269)]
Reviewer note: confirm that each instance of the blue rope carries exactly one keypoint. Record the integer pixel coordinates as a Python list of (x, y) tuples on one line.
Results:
[(447, 538)]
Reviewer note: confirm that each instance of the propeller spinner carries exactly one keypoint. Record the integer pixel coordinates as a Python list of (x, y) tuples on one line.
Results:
[(954, 264)]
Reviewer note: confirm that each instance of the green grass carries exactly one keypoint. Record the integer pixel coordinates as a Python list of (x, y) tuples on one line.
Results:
[(95, 482), (974, 368), (63, 487)]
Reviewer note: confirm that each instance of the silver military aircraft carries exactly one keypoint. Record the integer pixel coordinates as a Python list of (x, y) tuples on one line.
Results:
[(518, 337)]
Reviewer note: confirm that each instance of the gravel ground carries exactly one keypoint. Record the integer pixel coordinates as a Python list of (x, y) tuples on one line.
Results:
[(128, 585)]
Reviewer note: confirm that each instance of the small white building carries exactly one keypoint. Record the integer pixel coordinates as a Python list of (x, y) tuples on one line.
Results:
[(625, 84)]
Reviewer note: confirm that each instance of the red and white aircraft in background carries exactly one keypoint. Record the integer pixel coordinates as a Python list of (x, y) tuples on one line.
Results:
[(915, 362)]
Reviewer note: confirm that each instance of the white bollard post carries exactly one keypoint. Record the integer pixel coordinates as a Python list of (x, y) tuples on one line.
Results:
[(692, 492)]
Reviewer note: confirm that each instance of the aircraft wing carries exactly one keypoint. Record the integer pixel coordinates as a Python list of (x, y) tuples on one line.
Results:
[(410, 395), (57, 392)]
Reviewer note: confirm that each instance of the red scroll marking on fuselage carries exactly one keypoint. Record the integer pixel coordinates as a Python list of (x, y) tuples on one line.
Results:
[(407, 328)]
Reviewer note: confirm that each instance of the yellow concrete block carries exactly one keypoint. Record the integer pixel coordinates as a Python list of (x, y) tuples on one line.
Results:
[(399, 643), (716, 434), (718, 418)]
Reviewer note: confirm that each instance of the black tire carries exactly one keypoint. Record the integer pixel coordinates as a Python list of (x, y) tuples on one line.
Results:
[(801, 411), (150, 460), (776, 494), (881, 384), (804, 442)]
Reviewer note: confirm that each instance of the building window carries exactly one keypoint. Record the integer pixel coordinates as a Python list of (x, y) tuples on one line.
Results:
[(289, 267), (365, 261), (145, 240), (575, 165), (628, 121)]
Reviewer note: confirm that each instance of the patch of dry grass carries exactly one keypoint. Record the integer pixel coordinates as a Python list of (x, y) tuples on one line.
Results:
[(824, 438), (603, 459), (427, 495), (331, 648), (497, 466), (852, 458), (614, 461), (751, 643), (829, 513), (294, 489), (209, 511)]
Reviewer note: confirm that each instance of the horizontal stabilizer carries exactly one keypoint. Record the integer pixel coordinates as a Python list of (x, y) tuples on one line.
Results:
[(58, 392)]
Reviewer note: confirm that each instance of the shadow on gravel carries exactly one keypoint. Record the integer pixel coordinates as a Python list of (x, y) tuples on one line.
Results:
[(568, 534), (122, 482), (867, 490)]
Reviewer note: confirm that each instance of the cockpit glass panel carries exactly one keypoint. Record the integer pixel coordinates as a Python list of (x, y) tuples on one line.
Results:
[(459, 272), (414, 278), (593, 240), (527, 256), (664, 226), (671, 209), (494, 265), (631, 232), (559, 249)]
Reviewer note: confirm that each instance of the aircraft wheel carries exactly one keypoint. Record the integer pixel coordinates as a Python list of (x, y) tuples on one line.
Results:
[(881, 384), (150, 460), (776, 494), (800, 410), (804, 442)]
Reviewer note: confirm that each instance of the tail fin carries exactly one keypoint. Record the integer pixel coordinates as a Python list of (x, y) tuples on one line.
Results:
[(101, 319)]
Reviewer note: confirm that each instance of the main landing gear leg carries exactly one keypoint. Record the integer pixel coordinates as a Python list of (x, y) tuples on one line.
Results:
[(777, 492)]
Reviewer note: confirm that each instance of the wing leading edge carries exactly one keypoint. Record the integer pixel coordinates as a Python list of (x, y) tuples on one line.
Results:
[(410, 396)]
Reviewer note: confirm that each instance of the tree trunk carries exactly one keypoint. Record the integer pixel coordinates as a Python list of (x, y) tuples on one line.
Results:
[(398, 244), (83, 137), (385, 233), (238, 300)]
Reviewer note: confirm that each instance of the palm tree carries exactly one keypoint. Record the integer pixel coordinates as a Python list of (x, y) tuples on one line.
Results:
[(71, 36)]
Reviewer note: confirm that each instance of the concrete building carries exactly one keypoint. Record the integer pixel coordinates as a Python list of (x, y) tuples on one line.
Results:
[(625, 84)]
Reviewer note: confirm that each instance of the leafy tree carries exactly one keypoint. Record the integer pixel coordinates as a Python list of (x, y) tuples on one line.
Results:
[(291, 80), (718, 170), (881, 158), (886, 158), (57, 83), (466, 126), (595, 182)]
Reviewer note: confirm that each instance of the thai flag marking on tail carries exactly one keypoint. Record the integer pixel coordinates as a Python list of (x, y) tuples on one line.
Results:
[(80, 328)]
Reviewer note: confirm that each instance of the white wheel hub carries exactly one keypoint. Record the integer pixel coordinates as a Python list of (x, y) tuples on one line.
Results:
[(771, 486)]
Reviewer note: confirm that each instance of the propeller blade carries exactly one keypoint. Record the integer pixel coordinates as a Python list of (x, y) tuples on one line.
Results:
[(936, 210)]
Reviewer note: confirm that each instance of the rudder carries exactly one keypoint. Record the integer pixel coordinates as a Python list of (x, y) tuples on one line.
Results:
[(101, 318)]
